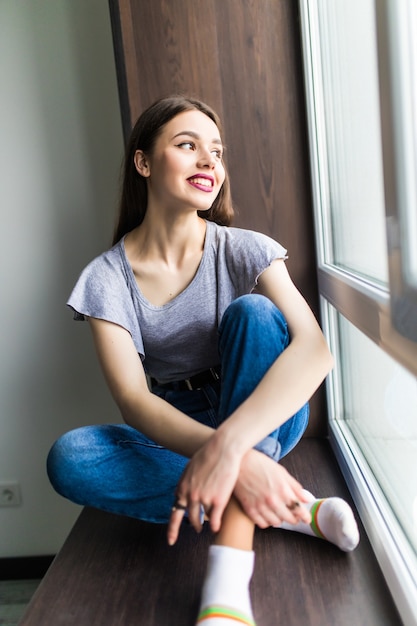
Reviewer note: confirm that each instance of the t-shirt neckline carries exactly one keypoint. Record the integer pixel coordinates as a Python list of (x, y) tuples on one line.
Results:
[(184, 292)]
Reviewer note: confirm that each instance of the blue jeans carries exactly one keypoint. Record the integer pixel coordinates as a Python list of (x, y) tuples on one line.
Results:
[(117, 469)]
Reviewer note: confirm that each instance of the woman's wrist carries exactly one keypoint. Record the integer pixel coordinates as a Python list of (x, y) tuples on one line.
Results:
[(232, 442)]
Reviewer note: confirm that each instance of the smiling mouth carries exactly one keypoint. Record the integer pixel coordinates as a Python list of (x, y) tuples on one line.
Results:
[(200, 182)]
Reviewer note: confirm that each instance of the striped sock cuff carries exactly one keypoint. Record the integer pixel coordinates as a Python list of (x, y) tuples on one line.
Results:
[(314, 519), (213, 612)]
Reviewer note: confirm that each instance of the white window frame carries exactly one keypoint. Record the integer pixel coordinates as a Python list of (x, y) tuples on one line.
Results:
[(364, 303)]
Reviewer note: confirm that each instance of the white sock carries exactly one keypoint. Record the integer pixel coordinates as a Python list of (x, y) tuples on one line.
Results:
[(225, 597), (331, 519)]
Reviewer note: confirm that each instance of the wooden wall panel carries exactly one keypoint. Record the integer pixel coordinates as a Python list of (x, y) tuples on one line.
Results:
[(242, 57)]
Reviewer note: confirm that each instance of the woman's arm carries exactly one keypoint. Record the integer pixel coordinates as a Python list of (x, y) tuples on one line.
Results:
[(141, 409)]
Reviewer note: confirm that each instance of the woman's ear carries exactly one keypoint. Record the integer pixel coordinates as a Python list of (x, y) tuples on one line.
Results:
[(141, 164)]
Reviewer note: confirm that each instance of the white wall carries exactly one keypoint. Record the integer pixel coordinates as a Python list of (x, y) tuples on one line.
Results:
[(60, 152)]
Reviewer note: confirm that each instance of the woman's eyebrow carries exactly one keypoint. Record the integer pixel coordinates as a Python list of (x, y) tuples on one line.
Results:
[(192, 133)]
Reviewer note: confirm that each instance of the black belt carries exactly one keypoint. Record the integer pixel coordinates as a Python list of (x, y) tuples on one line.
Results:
[(194, 382)]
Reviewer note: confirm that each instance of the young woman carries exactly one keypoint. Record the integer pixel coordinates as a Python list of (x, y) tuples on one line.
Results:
[(211, 355)]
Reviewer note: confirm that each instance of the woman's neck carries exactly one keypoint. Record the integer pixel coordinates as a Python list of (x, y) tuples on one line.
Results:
[(170, 241), (165, 257)]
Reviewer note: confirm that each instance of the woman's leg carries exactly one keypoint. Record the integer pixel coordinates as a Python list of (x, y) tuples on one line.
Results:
[(253, 334), (115, 468), (225, 598)]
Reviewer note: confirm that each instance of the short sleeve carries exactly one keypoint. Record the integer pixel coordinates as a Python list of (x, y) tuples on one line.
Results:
[(248, 254), (102, 292), (268, 250)]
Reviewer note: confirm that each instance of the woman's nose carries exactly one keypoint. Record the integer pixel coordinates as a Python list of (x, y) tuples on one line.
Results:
[(207, 159)]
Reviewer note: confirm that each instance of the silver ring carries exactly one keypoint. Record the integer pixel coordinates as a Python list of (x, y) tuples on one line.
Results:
[(294, 505), (178, 506)]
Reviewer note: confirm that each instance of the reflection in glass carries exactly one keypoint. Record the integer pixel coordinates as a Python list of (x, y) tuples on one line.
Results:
[(380, 410), (353, 137)]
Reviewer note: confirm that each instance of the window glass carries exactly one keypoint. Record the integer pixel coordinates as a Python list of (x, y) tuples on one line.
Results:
[(380, 409), (352, 137), (360, 59)]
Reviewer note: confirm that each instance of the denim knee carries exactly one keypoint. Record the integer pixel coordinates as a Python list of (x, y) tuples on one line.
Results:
[(255, 320), (115, 468), (71, 459), (61, 456), (250, 306)]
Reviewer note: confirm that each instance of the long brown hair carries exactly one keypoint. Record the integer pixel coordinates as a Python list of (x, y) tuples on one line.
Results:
[(134, 195)]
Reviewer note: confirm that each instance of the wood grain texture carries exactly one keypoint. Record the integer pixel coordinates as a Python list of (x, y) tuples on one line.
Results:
[(116, 571), (244, 58)]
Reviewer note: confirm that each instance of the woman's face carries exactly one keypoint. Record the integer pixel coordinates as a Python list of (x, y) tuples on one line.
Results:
[(185, 168)]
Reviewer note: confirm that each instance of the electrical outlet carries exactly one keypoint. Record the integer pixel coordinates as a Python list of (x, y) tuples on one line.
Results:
[(10, 493)]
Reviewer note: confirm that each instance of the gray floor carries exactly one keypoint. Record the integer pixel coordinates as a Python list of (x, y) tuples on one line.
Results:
[(15, 595)]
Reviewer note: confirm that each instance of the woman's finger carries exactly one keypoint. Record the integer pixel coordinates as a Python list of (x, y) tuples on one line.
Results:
[(174, 525), (215, 517), (195, 514), (301, 513)]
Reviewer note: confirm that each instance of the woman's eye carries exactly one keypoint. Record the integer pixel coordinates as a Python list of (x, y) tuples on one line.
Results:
[(186, 145), (217, 153)]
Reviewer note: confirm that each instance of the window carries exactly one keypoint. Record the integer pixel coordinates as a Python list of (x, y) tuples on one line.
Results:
[(360, 60), (397, 30)]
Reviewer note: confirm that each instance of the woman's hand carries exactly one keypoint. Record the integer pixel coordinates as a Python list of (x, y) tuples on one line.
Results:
[(268, 493), (208, 481), (265, 489)]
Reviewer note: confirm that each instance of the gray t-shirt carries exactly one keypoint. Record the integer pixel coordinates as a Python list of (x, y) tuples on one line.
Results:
[(179, 339)]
